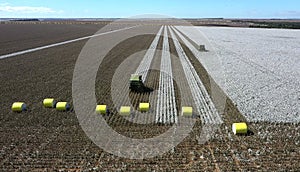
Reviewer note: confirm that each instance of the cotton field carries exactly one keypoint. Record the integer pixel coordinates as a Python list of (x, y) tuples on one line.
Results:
[(260, 67)]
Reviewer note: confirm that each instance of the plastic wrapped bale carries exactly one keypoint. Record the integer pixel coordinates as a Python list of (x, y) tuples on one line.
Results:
[(187, 111), (144, 107), (49, 103), (62, 106), (18, 107), (101, 109), (125, 110), (239, 128)]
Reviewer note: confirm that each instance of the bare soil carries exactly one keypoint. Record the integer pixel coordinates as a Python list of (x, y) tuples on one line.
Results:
[(17, 37)]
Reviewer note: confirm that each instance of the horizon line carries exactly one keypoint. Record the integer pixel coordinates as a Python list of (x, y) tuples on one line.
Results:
[(149, 18)]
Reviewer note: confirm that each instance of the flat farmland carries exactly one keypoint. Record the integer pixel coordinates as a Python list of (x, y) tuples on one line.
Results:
[(45, 139)]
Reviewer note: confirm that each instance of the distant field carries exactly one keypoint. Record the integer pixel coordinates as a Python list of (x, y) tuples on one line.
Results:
[(252, 23)]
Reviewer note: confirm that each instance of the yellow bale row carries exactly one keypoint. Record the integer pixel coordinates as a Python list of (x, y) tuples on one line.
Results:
[(47, 103), (65, 106), (187, 111)]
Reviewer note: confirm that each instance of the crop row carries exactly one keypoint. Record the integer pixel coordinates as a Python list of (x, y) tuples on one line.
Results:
[(166, 106), (204, 105)]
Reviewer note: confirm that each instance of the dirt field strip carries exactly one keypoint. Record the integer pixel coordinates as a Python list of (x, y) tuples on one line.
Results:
[(205, 108), (123, 99), (138, 66), (60, 43), (143, 69), (166, 107), (214, 159), (146, 62)]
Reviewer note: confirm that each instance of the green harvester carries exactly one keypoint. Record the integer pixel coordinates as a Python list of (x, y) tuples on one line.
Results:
[(136, 83)]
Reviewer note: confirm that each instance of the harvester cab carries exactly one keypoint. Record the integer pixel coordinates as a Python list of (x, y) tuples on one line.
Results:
[(136, 83)]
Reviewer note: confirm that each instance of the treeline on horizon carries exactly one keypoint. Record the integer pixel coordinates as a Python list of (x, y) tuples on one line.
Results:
[(281, 25), (24, 20), (272, 24)]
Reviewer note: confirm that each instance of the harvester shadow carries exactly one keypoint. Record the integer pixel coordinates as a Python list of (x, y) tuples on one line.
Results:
[(143, 89), (249, 133)]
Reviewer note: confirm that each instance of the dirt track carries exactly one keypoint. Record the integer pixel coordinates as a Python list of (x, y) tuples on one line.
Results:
[(43, 138)]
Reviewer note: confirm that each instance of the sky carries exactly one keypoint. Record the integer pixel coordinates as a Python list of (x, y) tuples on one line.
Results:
[(170, 8)]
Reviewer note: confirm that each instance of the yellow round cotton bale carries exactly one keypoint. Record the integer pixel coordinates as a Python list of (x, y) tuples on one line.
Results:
[(49, 103), (187, 111), (144, 107), (62, 106), (239, 128), (18, 107), (125, 110), (101, 109)]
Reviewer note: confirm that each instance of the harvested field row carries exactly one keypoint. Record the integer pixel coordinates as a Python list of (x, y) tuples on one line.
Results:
[(146, 61), (142, 66), (166, 111), (205, 107)]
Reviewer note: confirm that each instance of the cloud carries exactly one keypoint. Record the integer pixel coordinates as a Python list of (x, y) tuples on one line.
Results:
[(25, 9)]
